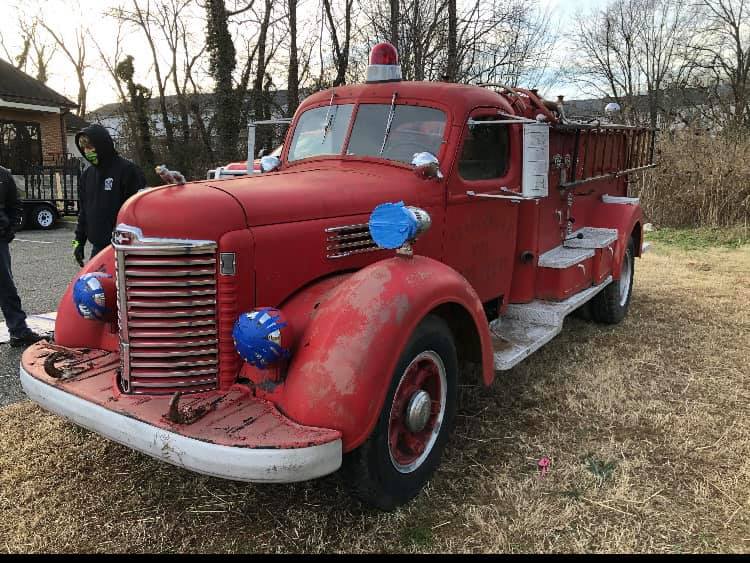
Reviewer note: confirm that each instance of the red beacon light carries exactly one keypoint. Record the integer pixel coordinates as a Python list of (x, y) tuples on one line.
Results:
[(383, 65)]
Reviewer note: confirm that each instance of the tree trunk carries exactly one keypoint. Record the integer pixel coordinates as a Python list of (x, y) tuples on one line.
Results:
[(292, 92), (394, 22), (452, 42)]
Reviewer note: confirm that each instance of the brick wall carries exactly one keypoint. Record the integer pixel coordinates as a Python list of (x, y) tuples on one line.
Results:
[(51, 125)]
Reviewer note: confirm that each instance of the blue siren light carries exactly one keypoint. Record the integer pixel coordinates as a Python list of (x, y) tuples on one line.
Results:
[(259, 337), (88, 296), (392, 225)]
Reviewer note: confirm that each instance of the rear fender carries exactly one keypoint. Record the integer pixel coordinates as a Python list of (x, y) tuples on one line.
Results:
[(345, 356), (71, 329), (624, 218)]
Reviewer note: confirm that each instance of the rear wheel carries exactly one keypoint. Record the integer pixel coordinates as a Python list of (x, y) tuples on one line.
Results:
[(44, 217), (405, 447), (611, 304)]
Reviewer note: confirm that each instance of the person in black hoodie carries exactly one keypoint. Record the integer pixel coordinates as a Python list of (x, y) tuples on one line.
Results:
[(104, 187), (10, 303)]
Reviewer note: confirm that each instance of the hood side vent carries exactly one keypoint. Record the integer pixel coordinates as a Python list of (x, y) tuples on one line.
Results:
[(348, 240)]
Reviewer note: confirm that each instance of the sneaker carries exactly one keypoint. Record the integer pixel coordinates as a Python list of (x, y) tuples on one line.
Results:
[(27, 338)]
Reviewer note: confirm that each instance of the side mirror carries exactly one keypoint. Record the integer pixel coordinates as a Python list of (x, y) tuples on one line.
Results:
[(269, 163), (426, 165)]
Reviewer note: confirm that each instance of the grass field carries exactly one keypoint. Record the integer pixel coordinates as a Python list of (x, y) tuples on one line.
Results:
[(646, 424)]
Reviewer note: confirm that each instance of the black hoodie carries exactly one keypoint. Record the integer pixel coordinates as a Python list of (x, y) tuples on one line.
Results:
[(103, 188)]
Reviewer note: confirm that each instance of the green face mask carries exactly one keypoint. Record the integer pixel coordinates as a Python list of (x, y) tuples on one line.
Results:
[(92, 157)]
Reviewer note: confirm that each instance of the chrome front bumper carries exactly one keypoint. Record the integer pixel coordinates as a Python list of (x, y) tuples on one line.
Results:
[(270, 465)]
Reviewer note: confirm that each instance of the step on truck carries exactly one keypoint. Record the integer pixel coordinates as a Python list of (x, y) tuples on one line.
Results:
[(319, 316)]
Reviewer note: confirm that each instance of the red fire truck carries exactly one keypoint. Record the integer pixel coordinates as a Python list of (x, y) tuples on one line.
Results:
[(320, 315)]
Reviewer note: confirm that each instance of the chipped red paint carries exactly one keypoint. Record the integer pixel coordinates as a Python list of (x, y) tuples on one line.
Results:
[(343, 364)]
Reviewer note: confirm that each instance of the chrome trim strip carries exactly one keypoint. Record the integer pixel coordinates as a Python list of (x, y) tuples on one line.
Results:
[(350, 252), (189, 383), (170, 262), (175, 323), (347, 228), (157, 354), (172, 314), (171, 333), (165, 304), (176, 373), (171, 273), (171, 293), (170, 283), (147, 364)]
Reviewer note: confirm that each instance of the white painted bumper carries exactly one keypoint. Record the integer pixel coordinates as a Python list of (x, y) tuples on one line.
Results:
[(235, 463)]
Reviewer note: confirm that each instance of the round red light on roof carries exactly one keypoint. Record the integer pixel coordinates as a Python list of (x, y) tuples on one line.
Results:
[(384, 54)]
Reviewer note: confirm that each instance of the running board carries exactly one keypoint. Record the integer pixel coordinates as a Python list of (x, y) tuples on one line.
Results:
[(527, 327)]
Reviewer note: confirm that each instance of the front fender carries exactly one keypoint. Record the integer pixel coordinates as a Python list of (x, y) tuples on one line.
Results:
[(71, 329), (624, 218), (342, 368)]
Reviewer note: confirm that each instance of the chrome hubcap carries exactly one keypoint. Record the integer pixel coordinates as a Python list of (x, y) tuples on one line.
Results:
[(627, 264), (418, 411)]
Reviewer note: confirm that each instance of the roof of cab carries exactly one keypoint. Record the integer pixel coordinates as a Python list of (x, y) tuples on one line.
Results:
[(461, 98)]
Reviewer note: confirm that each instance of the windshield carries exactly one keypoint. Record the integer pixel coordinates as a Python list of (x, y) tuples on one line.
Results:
[(321, 131), (413, 129)]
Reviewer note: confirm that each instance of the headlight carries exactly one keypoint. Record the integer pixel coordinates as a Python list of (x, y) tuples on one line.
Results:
[(261, 337), (393, 224), (88, 296)]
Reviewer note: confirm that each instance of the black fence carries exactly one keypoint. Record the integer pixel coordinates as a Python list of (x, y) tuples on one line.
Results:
[(56, 183)]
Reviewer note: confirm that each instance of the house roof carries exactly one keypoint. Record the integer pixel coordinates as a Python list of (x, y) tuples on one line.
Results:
[(74, 123), (17, 86)]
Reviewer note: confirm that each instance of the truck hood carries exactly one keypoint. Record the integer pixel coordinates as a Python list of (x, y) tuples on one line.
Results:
[(337, 190), (194, 211)]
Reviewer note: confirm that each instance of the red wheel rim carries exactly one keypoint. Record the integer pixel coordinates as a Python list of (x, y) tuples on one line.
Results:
[(408, 449)]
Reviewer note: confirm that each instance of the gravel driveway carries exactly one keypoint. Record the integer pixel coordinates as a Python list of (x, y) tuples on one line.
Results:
[(43, 266)]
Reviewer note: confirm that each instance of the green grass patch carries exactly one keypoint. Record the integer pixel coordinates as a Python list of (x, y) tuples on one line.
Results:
[(701, 237)]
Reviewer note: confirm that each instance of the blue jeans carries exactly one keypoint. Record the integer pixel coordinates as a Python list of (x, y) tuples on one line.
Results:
[(10, 303)]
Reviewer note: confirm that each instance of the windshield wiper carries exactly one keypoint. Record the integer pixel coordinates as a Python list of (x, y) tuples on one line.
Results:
[(391, 112), (329, 118)]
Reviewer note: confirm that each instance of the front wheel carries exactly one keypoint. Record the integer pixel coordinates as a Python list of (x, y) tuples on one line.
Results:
[(405, 447), (611, 304)]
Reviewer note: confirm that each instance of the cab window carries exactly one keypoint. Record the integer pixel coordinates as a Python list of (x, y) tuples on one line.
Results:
[(485, 151), (413, 129), (320, 131)]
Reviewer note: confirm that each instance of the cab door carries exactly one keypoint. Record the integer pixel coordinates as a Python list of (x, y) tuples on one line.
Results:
[(480, 233)]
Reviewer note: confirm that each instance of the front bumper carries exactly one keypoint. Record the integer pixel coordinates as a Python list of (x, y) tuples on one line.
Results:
[(242, 439)]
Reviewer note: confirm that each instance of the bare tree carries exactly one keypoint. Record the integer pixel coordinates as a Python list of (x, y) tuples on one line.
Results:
[(636, 47), (340, 46), (724, 59), (452, 71), (77, 58), (393, 36)]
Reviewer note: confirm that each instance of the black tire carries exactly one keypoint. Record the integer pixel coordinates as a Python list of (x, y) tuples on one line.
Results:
[(611, 304), (371, 470), (44, 217)]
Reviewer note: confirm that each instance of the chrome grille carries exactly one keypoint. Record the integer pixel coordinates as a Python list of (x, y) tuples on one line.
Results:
[(348, 240), (167, 315)]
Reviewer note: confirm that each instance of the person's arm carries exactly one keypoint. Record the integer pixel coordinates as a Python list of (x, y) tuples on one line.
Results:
[(81, 225), (13, 205)]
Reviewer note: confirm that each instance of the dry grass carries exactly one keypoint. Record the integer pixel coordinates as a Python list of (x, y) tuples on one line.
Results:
[(646, 424), (701, 181)]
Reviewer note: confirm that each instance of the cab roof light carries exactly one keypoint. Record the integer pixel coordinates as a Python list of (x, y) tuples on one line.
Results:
[(384, 65)]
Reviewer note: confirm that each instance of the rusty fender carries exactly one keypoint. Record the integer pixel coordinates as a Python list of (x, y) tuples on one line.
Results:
[(71, 329), (624, 218), (341, 370)]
